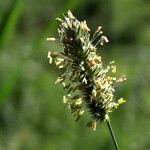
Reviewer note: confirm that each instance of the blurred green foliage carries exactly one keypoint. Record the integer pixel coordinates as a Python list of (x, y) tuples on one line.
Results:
[(32, 116)]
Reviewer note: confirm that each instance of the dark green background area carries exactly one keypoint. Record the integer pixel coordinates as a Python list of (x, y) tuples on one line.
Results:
[(32, 115)]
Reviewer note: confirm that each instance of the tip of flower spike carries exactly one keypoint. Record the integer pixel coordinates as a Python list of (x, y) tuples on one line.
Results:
[(50, 39), (70, 15)]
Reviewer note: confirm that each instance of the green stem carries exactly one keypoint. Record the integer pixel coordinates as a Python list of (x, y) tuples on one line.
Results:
[(112, 133)]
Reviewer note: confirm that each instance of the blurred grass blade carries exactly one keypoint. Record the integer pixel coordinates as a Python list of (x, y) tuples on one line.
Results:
[(52, 25), (10, 20), (9, 84)]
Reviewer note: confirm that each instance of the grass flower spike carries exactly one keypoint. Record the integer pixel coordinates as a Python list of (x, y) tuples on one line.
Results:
[(89, 86)]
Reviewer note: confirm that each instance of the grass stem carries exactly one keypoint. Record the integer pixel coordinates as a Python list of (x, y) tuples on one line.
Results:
[(112, 133)]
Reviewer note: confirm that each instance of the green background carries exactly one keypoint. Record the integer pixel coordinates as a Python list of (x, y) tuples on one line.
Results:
[(32, 115)]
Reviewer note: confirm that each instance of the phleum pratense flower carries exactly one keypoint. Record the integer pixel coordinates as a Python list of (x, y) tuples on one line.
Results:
[(88, 84)]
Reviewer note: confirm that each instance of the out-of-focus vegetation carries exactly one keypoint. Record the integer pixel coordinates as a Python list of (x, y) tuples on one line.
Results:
[(32, 115)]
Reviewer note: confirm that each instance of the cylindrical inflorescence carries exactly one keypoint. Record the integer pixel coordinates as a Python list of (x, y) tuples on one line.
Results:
[(89, 85)]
